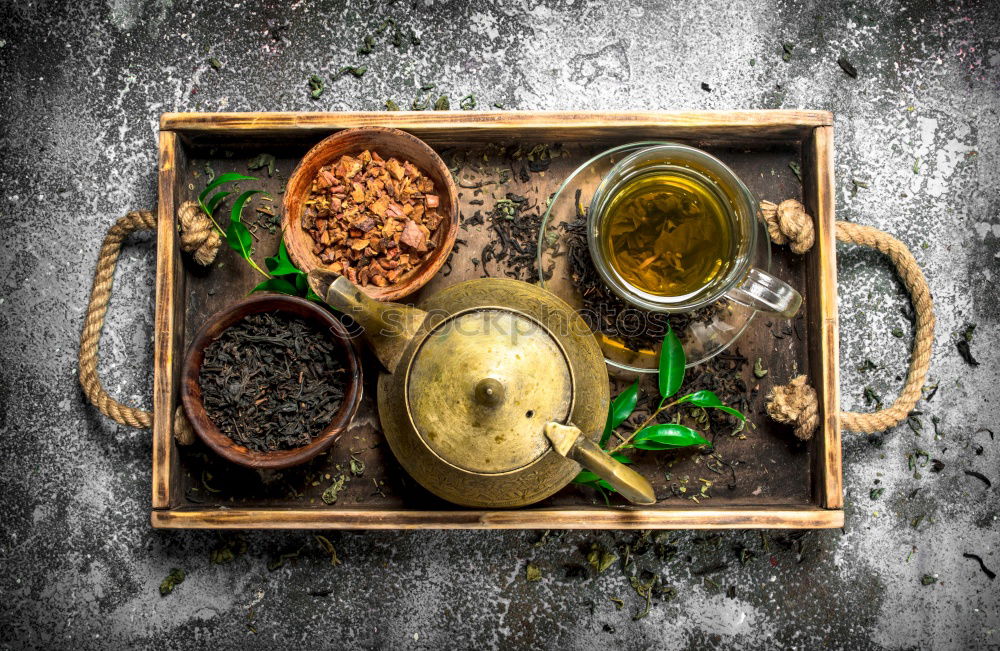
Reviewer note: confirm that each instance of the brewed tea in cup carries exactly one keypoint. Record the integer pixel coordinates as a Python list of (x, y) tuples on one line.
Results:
[(671, 229)]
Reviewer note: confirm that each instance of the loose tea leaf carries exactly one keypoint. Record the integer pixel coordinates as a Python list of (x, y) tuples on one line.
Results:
[(263, 160), (215, 63), (758, 368), (468, 102), (329, 549), (796, 170), (272, 381), (927, 579), (357, 466), (442, 103), (175, 578), (847, 67), (786, 54), (600, 558), (705, 87), (532, 573), (331, 493), (316, 86), (990, 574), (966, 352)]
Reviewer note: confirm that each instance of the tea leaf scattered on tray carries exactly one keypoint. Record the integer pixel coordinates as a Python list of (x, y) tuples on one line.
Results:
[(708, 399), (532, 573), (331, 493), (174, 579), (671, 365), (391, 105), (758, 368), (621, 408), (261, 161), (442, 103), (667, 436), (357, 466), (468, 102), (796, 169), (847, 67)]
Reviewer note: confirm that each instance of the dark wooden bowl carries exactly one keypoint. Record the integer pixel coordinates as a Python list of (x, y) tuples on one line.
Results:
[(387, 142), (225, 446)]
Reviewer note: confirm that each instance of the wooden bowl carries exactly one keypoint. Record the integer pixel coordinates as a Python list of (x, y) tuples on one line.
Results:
[(387, 142), (225, 446)]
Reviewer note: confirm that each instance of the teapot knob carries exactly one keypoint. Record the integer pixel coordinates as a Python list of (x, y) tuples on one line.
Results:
[(489, 392)]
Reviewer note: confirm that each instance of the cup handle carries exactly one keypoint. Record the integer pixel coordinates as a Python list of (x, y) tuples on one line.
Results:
[(762, 291)]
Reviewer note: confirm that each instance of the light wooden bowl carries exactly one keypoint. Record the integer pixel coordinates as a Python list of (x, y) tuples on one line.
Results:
[(388, 143), (227, 447)]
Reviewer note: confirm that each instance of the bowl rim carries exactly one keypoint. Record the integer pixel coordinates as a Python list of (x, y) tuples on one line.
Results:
[(227, 317), (422, 274)]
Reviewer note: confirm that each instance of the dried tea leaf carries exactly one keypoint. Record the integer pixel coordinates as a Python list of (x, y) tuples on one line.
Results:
[(532, 573), (391, 105), (331, 493), (600, 559), (705, 87), (468, 102), (175, 578), (357, 466), (329, 549), (786, 54), (442, 103), (847, 67), (215, 63), (927, 579), (796, 169), (316, 86), (758, 368), (262, 160), (966, 352)]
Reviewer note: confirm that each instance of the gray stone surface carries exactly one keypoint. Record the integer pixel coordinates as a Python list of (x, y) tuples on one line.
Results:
[(82, 86)]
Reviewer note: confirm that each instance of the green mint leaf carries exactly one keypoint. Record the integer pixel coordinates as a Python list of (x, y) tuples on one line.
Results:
[(219, 180), (668, 436), (280, 264), (708, 400), (276, 285), (236, 212), (672, 362), (239, 238), (214, 202), (621, 408)]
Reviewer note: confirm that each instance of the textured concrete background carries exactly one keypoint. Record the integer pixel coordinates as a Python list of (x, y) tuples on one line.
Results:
[(82, 86)]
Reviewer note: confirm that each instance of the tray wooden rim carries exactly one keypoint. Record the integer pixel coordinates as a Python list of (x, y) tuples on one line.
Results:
[(813, 130)]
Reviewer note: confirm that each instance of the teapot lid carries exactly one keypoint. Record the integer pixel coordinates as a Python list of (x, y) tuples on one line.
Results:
[(482, 385)]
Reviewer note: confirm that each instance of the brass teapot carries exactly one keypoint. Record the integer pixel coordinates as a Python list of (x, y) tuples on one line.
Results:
[(492, 393)]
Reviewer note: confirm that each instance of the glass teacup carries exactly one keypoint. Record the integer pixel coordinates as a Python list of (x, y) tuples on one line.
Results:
[(735, 277)]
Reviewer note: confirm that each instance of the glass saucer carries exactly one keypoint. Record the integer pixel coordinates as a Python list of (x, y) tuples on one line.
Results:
[(629, 336)]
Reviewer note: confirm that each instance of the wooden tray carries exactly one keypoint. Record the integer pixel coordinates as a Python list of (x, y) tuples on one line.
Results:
[(780, 482)]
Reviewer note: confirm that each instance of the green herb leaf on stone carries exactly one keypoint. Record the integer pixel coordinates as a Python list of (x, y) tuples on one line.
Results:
[(442, 103), (532, 573), (174, 579), (468, 102), (671, 365), (316, 86)]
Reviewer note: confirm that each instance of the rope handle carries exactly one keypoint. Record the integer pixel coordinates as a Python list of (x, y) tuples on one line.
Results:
[(796, 403), (197, 238)]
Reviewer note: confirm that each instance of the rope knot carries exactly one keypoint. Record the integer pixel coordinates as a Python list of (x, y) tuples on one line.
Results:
[(795, 404), (198, 235), (789, 223)]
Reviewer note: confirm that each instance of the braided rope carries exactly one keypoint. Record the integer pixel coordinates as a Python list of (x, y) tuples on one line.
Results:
[(796, 403), (193, 239)]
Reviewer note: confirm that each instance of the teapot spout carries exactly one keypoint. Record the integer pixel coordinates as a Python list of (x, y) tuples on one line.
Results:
[(388, 327)]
